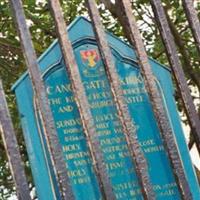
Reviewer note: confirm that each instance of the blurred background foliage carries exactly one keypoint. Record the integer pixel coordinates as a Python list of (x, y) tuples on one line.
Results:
[(43, 33)]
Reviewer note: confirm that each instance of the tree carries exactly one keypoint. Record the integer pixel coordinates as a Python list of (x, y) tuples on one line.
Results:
[(42, 28)]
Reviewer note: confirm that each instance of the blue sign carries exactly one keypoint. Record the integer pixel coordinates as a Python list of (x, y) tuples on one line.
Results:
[(118, 162)]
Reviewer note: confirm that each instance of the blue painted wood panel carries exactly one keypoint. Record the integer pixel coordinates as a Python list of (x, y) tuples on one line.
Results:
[(67, 121)]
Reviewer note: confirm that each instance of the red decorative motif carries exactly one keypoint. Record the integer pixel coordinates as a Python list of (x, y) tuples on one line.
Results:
[(90, 56)]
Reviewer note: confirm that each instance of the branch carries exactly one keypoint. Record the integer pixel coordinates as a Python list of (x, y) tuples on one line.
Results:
[(186, 62), (185, 55), (198, 173), (110, 6), (5, 66), (37, 22), (117, 13), (10, 44)]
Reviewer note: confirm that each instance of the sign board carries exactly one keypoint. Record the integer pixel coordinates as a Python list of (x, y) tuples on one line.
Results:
[(118, 162)]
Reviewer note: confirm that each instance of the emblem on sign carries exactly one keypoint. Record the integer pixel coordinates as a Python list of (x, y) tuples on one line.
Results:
[(92, 62), (91, 57)]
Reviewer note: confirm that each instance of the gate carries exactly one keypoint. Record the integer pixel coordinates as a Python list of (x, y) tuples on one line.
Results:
[(87, 120)]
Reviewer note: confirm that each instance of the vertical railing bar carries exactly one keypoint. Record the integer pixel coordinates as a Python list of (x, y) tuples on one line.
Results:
[(54, 147), (193, 20), (156, 100), (177, 70), (127, 123), (82, 102), (12, 149), (194, 23)]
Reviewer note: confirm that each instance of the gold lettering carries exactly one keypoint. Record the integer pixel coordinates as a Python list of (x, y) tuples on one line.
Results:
[(76, 173), (99, 95), (74, 138), (71, 147), (63, 88), (101, 104), (81, 180), (118, 148), (72, 130), (63, 109), (115, 165), (103, 132), (167, 193), (117, 130), (111, 141), (49, 90), (135, 99), (154, 149), (146, 143), (66, 123), (110, 157), (125, 186), (55, 101), (71, 156), (102, 125), (124, 154), (82, 162), (132, 80), (120, 195), (95, 84), (105, 117), (69, 99)]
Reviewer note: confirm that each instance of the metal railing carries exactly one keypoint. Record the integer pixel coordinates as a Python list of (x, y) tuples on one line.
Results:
[(81, 99), (12, 149)]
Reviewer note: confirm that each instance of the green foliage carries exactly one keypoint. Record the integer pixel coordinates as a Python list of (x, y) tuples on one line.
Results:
[(43, 33)]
